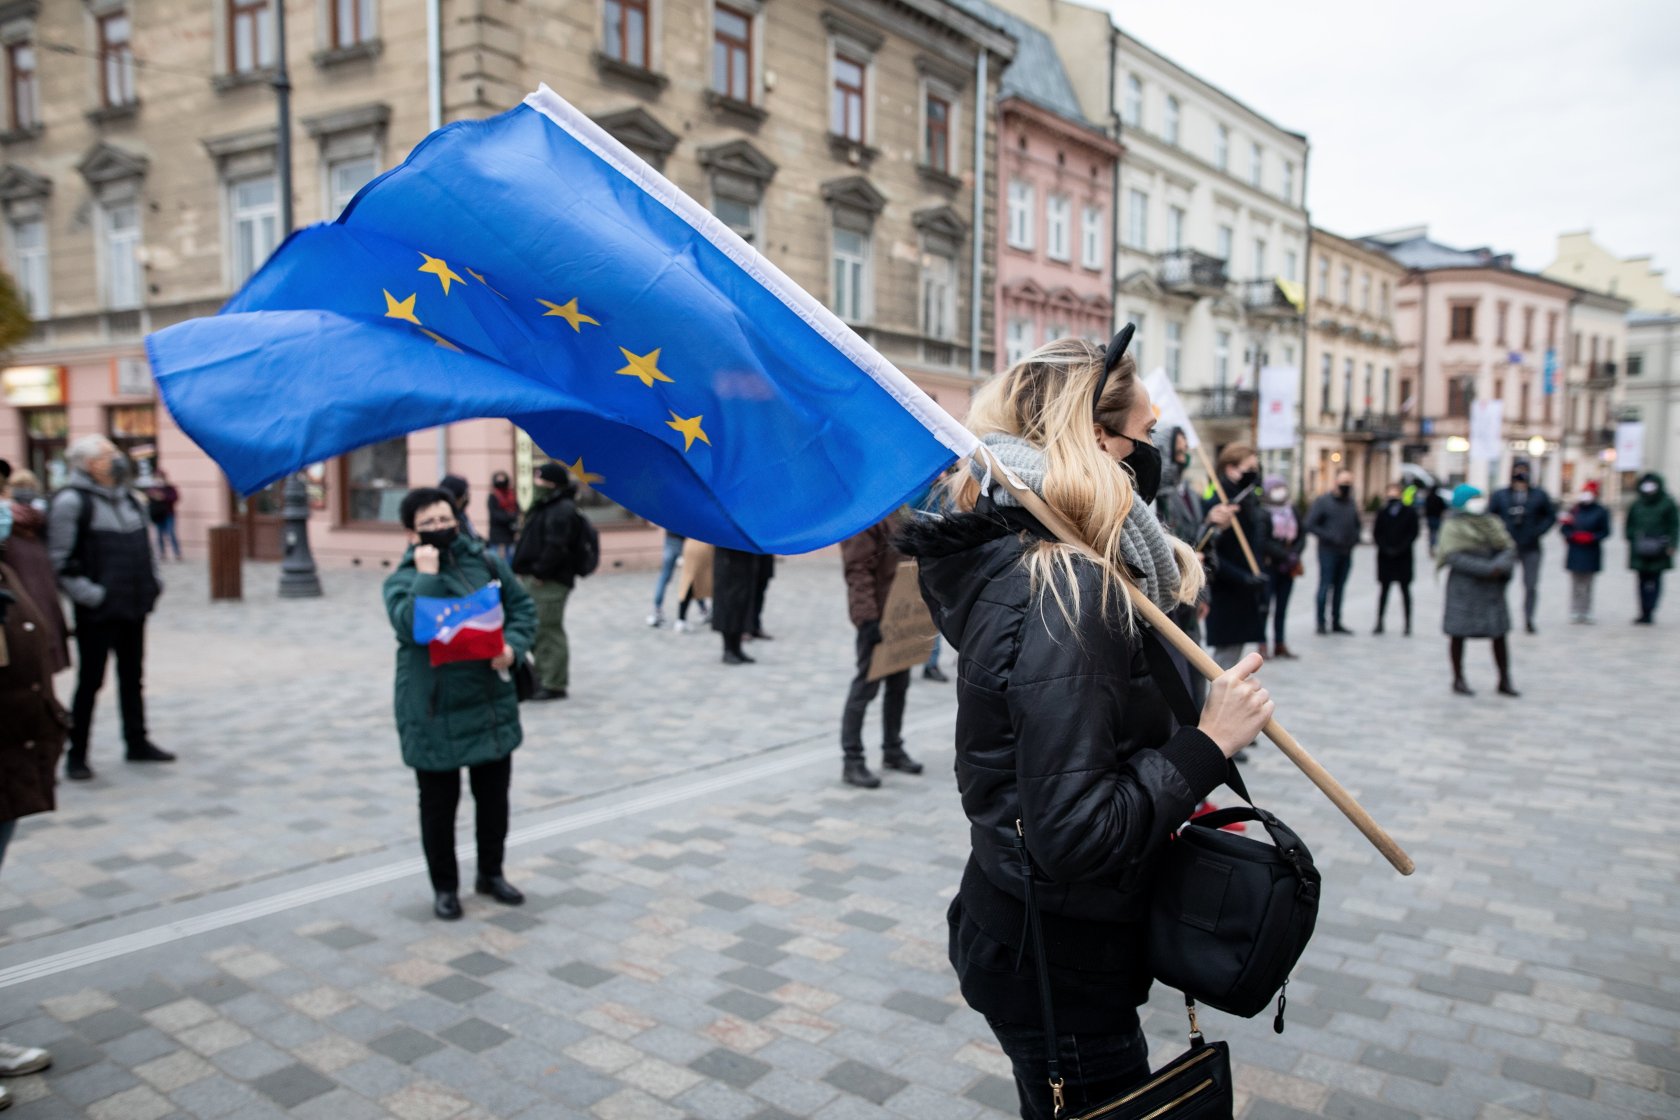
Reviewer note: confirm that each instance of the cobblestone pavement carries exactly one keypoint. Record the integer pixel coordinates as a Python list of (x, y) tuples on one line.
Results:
[(718, 929)]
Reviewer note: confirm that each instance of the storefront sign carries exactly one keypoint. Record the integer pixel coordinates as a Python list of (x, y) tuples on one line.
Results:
[(32, 386)]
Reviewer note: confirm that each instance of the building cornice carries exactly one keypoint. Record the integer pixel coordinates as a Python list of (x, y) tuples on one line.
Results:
[(1088, 136), (1207, 87)]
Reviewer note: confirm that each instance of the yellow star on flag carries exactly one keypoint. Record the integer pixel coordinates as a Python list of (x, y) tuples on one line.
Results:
[(583, 476), (479, 276), (569, 312), (440, 340), (400, 308), (644, 366), (442, 271), (690, 430)]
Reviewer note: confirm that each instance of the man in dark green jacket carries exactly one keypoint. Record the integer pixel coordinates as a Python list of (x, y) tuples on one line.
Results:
[(1653, 530), (462, 713)]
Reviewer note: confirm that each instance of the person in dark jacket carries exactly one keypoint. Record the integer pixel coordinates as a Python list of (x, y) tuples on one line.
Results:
[(1283, 560), (1584, 525), (502, 507), (871, 564), (1238, 594), (1480, 557), (764, 570), (1179, 510), (1063, 737), (1395, 533), (1529, 515), (460, 496), (1434, 510), (1334, 520), (546, 560), (161, 500), (460, 713), (735, 576), (31, 738), (96, 538), (26, 552), (1653, 531)]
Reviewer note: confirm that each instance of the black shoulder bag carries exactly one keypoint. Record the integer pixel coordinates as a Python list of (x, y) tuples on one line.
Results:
[(1229, 915)]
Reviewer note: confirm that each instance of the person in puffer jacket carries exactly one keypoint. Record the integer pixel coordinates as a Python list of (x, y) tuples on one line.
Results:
[(1061, 731)]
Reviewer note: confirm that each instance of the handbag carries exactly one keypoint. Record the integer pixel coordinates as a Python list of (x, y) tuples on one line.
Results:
[(1649, 546), (524, 677), (1196, 1085), (1229, 915)]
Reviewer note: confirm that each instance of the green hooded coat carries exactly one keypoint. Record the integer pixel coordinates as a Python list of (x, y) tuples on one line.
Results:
[(463, 713), (1652, 515)]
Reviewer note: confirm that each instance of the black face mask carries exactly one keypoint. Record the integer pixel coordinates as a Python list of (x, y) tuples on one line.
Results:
[(439, 539), (1344, 492), (1248, 479), (1145, 464)]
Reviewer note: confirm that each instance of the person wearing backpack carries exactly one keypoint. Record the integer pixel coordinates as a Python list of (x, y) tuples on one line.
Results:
[(97, 540), (557, 546)]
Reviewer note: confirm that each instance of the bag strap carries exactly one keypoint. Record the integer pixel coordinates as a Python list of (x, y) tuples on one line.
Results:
[(1041, 965), (1177, 694)]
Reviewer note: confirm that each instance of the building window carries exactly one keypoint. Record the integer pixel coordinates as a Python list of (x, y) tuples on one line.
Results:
[(1137, 219), (739, 215), (1370, 384), (1222, 148), (1387, 383), (845, 116), (1463, 324), (1406, 401), (1458, 397), (120, 235), (851, 275), (1175, 350), (1289, 180), (1365, 291), (1383, 297), (1551, 329), (1091, 237), (938, 132), (116, 61), (25, 87), (29, 265), (1502, 311), (1020, 214), (1323, 292), (1058, 227), (1169, 129), (1175, 227), (1635, 363), (254, 210), (1222, 357), (1134, 101), (939, 296), (375, 480), (1018, 342), (1260, 258), (1291, 263), (1224, 242), (1347, 386), (1140, 338), (352, 22), (1324, 365), (629, 32), (1528, 328), (250, 36), (344, 178), (1575, 349), (1256, 164), (1522, 402), (1347, 285), (732, 53)]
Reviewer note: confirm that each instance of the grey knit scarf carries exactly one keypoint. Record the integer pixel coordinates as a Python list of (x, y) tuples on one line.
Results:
[(1143, 543)]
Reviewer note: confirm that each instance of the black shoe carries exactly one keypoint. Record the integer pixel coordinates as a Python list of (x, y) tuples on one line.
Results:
[(934, 673), (898, 760), (549, 694), (1321, 629), (1462, 688), (731, 657), (759, 636), (1529, 626), (499, 889), (1379, 629), (857, 773), (447, 905), (149, 752), (78, 771), (1505, 689), (1340, 629)]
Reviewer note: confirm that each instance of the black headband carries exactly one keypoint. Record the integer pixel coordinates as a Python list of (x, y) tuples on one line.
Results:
[(1111, 358)]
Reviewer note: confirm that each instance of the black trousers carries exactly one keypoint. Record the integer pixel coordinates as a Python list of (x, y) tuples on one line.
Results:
[(863, 690), (96, 641), (440, 793), (1095, 1067)]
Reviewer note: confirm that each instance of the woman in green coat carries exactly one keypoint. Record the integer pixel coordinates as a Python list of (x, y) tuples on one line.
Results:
[(462, 713), (1653, 530)]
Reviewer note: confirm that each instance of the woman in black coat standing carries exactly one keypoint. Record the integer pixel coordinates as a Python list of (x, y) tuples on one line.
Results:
[(1063, 737), (1395, 532), (1238, 595), (735, 591)]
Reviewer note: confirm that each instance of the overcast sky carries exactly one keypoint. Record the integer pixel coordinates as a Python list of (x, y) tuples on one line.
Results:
[(1496, 122)]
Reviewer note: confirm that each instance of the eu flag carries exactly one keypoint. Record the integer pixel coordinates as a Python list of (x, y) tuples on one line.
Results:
[(530, 267)]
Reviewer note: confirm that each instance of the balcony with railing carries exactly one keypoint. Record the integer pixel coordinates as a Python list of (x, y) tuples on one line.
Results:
[(1266, 298), (1597, 439), (1371, 425), (1601, 375), (1186, 270), (1220, 403)]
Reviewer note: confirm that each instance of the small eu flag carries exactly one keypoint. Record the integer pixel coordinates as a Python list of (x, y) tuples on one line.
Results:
[(532, 268)]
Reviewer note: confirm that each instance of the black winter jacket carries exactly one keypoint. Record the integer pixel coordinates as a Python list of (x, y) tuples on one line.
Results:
[(551, 544), (1065, 731)]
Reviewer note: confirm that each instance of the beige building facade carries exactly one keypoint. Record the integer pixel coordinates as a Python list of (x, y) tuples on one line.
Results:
[(1585, 263), (140, 186), (1355, 403)]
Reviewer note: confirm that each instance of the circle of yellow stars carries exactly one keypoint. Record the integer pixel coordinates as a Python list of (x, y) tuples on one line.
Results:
[(643, 367)]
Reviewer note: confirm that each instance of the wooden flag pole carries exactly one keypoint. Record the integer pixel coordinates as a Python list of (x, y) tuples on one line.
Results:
[(1198, 657), (1219, 488)]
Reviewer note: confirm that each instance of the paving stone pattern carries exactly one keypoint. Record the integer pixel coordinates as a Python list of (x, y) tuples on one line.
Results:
[(766, 943)]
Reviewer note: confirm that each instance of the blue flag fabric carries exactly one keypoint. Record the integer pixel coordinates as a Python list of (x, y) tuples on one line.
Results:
[(530, 267)]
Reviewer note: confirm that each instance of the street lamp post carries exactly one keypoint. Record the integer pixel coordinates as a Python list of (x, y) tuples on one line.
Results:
[(298, 577)]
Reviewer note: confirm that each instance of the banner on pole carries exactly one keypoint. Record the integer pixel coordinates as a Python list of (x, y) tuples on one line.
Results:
[(1630, 445), (1280, 399), (1487, 424), (1169, 406)]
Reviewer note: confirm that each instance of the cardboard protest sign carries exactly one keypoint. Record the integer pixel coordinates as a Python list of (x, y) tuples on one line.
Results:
[(907, 630)]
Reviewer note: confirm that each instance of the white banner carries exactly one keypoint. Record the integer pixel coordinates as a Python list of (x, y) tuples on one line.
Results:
[(1487, 424), (1280, 406), (1169, 408), (1630, 445)]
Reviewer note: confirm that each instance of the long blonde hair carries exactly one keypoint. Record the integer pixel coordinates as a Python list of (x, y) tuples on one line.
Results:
[(1045, 399)]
